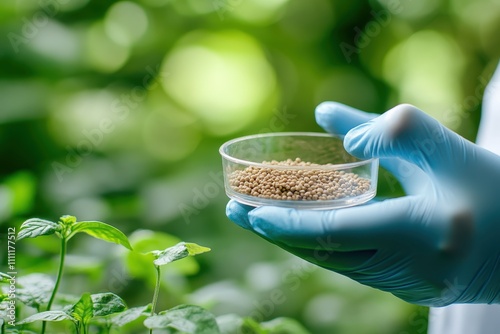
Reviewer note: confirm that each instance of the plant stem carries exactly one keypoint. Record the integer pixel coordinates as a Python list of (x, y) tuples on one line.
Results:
[(58, 280), (156, 293)]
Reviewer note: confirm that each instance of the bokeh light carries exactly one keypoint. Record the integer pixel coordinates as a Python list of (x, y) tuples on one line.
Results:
[(85, 118), (58, 43), (222, 77), (426, 69), (260, 12), (103, 53), (126, 22)]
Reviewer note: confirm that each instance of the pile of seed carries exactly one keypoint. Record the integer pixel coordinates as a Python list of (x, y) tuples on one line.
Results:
[(297, 184)]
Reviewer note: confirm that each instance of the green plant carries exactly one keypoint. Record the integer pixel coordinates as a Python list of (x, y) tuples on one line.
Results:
[(104, 312), (65, 229), (169, 255)]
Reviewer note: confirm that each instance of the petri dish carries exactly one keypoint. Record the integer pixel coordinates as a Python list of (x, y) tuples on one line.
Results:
[(303, 170)]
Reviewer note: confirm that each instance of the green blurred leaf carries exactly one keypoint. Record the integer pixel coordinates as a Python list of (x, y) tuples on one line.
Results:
[(189, 319), (284, 326), (130, 315), (177, 252), (83, 310), (35, 289), (234, 324), (22, 186), (36, 227), (144, 241), (101, 231), (19, 331), (107, 303), (47, 316)]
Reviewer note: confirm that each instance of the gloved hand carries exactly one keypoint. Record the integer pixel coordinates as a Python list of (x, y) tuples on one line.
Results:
[(439, 244)]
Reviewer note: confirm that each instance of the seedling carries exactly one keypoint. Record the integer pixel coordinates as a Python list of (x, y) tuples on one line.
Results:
[(65, 229), (171, 254)]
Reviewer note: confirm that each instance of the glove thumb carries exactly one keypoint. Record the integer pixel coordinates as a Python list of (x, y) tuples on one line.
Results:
[(408, 133)]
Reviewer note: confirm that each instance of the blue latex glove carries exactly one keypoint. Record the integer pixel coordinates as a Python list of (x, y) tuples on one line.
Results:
[(438, 245)]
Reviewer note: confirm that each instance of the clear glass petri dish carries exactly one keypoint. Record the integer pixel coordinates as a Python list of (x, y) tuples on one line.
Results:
[(303, 170)]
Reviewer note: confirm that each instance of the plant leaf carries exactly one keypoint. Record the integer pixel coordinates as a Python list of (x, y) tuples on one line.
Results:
[(195, 249), (101, 231), (107, 303), (177, 252), (83, 310), (47, 316), (34, 289), (130, 315), (188, 319), (284, 326), (139, 266), (36, 227)]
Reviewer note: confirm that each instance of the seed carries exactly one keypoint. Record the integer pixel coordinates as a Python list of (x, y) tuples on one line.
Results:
[(297, 184)]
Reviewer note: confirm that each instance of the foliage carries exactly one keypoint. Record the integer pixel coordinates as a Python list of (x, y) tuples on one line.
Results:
[(65, 229), (105, 310)]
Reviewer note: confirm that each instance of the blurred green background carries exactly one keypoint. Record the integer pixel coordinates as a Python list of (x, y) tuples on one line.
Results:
[(115, 110)]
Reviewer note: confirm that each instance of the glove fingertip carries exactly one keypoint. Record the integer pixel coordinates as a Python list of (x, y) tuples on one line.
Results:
[(238, 214), (325, 114)]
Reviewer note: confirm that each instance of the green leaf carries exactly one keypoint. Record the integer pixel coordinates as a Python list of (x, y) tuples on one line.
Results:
[(36, 227), (35, 289), (83, 310), (284, 326), (195, 249), (139, 265), (177, 252), (188, 319), (107, 303), (4, 278), (234, 324), (101, 231), (47, 316), (130, 315)]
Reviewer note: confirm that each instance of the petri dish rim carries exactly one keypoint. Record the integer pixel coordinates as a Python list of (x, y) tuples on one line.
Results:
[(289, 134)]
